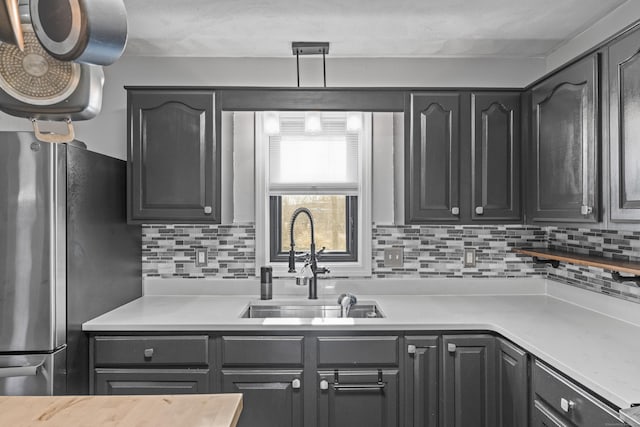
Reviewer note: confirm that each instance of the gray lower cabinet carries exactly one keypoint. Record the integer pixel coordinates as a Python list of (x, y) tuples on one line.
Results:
[(512, 385), (173, 168), (348, 398), (624, 128), (151, 381), (421, 378), (150, 364), (271, 398), (495, 156), (564, 148), (469, 381), (557, 401)]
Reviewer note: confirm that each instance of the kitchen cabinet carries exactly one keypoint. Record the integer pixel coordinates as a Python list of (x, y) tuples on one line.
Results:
[(564, 154), (512, 385), (433, 158), (558, 401), (624, 128), (495, 156), (349, 398), (450, 134), (469, 380), (269, 371), (271, 398), (173, 168), (150, 364), (421, 378)]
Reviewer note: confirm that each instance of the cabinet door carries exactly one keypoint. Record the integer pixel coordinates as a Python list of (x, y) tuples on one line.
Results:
[(271, 398), (421, 382), (564, 146), (469, 396), (512, 385), (174, 161), (624, 84), (151, 381), (358, 398), (495, 156), (433, 159)]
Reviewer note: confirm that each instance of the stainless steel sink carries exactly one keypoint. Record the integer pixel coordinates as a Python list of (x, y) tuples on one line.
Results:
[(310, 311)]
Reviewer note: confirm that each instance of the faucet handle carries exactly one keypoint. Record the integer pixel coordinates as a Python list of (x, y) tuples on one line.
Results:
[(322, 270), (303, 256), (351, 298), (320, 252)]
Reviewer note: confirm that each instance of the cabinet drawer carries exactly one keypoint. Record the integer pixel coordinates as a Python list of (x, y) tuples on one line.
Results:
[(161, 350), (151, 381), (580, 407), (262, 351), (357, 351)]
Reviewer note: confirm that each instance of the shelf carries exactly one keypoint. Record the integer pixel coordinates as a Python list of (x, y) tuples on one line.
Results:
[(616, 266)]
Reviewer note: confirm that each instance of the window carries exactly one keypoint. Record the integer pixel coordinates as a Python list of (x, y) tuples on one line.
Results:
[(325, 167)]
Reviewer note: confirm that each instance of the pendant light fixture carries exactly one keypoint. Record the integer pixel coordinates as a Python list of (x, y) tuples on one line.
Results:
[(311, 48)]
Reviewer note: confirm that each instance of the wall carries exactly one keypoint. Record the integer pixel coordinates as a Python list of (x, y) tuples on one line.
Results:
[(107, 132), (603, 29)]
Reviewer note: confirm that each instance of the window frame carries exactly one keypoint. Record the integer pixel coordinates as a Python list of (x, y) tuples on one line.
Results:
[(359, 267), (351, 223)]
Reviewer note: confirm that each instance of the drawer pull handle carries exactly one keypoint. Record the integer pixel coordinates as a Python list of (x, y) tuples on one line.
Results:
[(324, 385), (455, 210), (208, 210), (295, 383), (148, 353), (411, 349), (358, 387), (451, 348), (479, 210), (586, 210), (567, 405)]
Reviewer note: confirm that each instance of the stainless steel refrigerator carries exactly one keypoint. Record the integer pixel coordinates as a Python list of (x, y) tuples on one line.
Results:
[(66, 255)]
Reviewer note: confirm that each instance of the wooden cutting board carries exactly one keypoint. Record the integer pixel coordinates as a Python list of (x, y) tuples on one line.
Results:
[(196, 410)]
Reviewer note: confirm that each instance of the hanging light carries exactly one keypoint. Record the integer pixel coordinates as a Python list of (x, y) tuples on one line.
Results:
[(271, 122), (354, 121), (312, 122)]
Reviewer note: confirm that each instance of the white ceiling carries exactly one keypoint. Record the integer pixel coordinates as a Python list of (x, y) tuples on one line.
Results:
[(359, 28)]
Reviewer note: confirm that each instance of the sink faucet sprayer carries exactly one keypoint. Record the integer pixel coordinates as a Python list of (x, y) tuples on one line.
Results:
[(311, 260)]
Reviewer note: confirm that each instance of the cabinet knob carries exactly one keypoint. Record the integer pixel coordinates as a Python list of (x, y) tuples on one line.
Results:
[(295, 383), (455, 211), (208, 210), (451, 348), (148, 353), (567, 405), (324, 385), (411, 349), (586, 210), (479, 210)]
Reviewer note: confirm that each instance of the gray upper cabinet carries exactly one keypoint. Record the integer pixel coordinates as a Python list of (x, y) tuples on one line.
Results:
[(173, 156), (624, 88), (469, 386), (564, 148), (433, 158), (495, 156)]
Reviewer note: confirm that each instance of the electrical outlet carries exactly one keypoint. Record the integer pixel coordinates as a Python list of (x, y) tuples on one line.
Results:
[(469, 257), (201, 257), (394, 257)]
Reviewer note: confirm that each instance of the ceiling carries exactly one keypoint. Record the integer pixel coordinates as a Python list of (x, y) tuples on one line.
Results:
[(359, 28)]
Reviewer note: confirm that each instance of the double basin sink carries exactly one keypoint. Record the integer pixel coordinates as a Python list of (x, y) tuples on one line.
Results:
[(364, 310)]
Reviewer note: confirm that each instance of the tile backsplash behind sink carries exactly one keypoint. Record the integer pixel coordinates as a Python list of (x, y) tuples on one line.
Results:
[(168, 251)]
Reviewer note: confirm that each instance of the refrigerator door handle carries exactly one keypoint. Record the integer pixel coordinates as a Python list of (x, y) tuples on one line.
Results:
[(20, 371)]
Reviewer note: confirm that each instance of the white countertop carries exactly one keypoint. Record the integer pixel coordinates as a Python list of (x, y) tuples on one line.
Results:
[(580, 338)]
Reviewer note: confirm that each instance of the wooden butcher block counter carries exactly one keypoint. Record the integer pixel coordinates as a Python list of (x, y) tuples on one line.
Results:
[(197, 410)]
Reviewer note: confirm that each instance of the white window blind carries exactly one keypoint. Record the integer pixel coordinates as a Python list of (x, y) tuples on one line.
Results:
[(325, 162)]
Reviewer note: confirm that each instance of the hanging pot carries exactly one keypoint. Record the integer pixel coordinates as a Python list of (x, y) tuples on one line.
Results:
[(89, 31), (10, 30), (39, 87)]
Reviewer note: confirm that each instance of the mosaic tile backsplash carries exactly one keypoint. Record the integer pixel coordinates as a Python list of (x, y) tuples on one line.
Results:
[(169, 251)]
